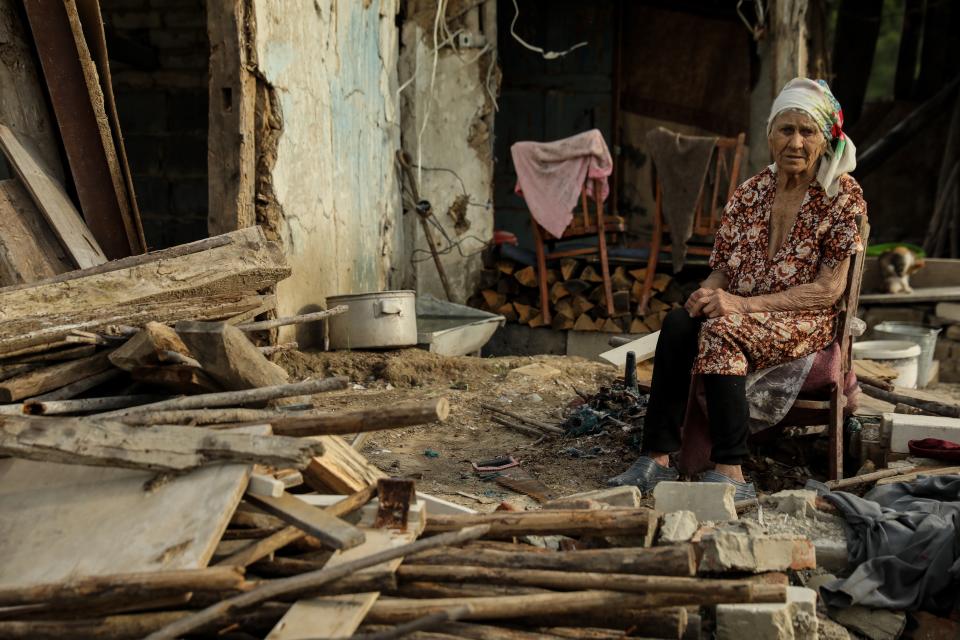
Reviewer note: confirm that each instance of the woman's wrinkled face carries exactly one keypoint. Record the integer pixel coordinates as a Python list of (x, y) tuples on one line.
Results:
[(796, 143)]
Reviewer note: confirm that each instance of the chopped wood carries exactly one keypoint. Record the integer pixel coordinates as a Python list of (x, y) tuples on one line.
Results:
[(302, 318), (526, 276), (672, 560), (530, 431), (86, 405), (584, 323), (589, 274), (29, 251), (163, 448), (177, 378), (330, 530), (569, 268), (655, 305), (581, 305), (561, 323), (493, 299), (876, 370), (610, 326), (525, 312), (558, 291), (654, 320), (564, 308), (401, 415), (505, 266), (312, 580), (638, 326), (145, 585), (58, 375), (536, 320), (234, 398), (621, 302), (228, 356), (145, 348), (570, 522), (620, 280), (508, 312), (876, 382), (53, 202)]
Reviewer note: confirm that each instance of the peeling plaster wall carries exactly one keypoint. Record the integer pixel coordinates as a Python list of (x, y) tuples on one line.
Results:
[(457, 140), (333, 68)]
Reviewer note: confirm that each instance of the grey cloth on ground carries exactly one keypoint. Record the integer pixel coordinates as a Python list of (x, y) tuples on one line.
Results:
[(682, 162), (904, 539)]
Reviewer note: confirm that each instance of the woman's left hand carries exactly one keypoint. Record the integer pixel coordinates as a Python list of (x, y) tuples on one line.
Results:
[(720, 303)]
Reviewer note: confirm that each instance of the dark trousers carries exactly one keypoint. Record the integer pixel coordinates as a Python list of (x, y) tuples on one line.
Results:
[(726, 395)]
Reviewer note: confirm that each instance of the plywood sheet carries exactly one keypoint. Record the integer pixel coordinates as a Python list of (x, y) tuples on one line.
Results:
[(65, 521)]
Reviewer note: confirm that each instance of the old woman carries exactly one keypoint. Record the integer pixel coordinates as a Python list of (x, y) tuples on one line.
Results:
[(780, 262)]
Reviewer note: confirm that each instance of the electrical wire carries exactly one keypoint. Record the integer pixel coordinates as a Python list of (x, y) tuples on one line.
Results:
[(547, 55)]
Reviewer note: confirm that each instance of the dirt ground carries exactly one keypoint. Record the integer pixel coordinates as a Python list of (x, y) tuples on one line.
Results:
[(439, 456), (469, 435)]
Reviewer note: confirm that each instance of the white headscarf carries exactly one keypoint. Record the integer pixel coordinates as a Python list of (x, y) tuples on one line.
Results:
[(814, 98)]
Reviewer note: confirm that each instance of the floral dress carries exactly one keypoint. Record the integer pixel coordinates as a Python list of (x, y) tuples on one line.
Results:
[(825, 233)]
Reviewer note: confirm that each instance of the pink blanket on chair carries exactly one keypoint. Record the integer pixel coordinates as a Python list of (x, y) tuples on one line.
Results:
[(550, 175)]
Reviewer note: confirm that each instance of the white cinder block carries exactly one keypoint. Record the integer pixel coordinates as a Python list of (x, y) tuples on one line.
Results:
[(710, 501), (904, 428)]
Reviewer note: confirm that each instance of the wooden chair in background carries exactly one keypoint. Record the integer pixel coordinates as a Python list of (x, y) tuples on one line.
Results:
[(581, 227), (724, 172)]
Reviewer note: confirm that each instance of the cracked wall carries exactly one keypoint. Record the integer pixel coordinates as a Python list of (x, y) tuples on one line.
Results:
[(448, 125), (327, 94)]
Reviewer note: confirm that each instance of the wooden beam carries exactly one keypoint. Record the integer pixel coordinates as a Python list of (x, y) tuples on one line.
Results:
[(231, 149), (402, 415), (145, 347), (166, 448), (78, 103), (341, 468), (330, 530), (53, 203), (228, 356)]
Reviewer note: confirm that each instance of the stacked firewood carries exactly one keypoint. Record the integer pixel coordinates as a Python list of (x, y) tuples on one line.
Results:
[(576, 296)]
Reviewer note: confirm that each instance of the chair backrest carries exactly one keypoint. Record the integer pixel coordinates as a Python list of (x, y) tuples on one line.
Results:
[(725, 172), (851, 297)]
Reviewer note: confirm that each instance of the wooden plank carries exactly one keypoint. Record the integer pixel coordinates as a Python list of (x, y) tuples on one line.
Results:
[(145, 347), (341, 468), (53, 203), (339, 617), (926, 471), (59, 375), (92, 20), (330, 530), (231, 135), (88, 442), (644, 348), (77, 101), (95, 521), (926, 294), (247, 264), (28, 249)]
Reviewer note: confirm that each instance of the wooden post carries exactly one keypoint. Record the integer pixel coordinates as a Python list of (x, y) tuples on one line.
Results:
[(231, 157)]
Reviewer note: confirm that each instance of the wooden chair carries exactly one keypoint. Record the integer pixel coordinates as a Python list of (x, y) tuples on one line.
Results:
[(582, 226), (725, 170), (827, 404)]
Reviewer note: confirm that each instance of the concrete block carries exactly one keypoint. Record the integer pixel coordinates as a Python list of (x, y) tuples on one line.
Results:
[(627, 496), (830, 554), (728, 550), (795, 619), (678, 526), (710, 501), (904, 428), (798, 503)]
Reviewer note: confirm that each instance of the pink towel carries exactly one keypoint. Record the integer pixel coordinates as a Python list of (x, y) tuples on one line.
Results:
[(550, 176)]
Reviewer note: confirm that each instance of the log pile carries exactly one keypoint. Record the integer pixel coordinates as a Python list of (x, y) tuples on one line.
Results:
[(576, 296)]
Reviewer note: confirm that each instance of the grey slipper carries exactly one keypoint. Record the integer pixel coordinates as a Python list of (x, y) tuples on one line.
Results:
[(745, 490), (645, 473)]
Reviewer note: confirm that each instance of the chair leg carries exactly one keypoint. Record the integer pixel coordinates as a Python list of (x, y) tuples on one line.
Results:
[(542, 274), (837, 403), (604, 263)]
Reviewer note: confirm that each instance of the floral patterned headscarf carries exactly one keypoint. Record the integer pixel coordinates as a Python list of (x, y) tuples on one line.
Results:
[(814, 98)]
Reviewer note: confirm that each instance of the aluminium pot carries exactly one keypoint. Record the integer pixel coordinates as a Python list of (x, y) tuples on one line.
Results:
[(374, 320)]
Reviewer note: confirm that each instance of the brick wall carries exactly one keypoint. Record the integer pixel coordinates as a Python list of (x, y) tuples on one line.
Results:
[(159, 51)]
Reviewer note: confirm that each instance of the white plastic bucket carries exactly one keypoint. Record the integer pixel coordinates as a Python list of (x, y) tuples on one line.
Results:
[(902, 355), (926, 337)]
